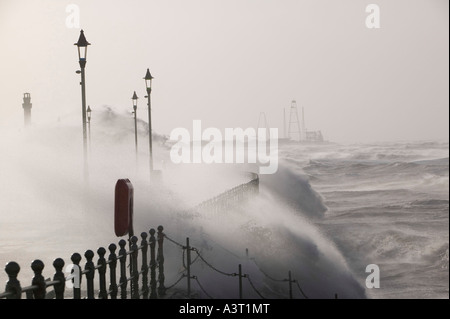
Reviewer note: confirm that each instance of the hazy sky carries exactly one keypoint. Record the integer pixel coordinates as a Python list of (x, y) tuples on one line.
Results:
[(225, 61)]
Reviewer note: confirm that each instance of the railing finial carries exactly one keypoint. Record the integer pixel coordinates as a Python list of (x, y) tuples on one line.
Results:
[(152, 240), (123, 275), (161, 277), (13, 285), (90, 268), (144, 265), (76, 258), (134, 270), (103, 294), (112, 258), (58, 263), (38, 280)]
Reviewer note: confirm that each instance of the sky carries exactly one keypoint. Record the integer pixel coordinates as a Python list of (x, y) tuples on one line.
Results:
[(225, 61)]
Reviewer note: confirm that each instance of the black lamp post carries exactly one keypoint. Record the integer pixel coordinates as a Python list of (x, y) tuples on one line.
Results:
[(135, 98), (82, 45), (89, 112), (148, 84), (27, 108)]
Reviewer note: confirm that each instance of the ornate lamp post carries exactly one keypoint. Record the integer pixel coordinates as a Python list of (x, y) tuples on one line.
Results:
[(27, 108), (135, 98), (89, 112), (82, 45), (148, 84)]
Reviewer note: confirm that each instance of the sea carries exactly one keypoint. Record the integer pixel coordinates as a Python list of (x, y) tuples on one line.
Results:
[(341, 220), (386, 204)]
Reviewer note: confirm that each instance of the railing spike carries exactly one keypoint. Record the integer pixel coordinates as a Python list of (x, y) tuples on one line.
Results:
[(59, 288), (76, 258), (144, 267), (90, 268), (153, 294), (112, 258), (161, 278), (13, 285), (38, 280), (134, 268), (123, 274), (103, 294)]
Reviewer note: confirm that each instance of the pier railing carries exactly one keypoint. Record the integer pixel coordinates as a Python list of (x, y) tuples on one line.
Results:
[(228, 199), (136, 271), (98, 280), (116, 288)]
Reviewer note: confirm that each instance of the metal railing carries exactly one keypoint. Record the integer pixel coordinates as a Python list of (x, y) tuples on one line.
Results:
[(228, 199), (143, 283), (39, 285), (187, 249)]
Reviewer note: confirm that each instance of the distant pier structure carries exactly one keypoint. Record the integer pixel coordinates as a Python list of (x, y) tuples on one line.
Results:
[(294, 130), (27, 108), (297, 132), (310, 136)]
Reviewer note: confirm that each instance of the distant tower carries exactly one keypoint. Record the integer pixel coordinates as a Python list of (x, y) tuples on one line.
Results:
[(294, 131), (27, 108)]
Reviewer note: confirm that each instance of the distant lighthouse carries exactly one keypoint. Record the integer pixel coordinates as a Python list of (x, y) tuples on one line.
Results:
[(27, 108)]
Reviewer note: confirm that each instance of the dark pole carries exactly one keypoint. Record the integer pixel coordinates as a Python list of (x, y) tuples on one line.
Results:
[(135, 133), (148, 80), (290, 285), (83, 110), (153, 294), (135, 98), (82, 45), (89, 128), (160, 259), (150, 132), (27, 108), (188, 266), (89, 125), (240, 281)]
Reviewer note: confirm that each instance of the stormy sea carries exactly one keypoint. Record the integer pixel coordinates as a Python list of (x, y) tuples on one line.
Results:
[(328, 212), (387, 204)]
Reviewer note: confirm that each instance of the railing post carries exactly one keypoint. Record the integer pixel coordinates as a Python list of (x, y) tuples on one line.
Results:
[(188, 266), (13, 285), (103, 294), (290, 285), (123, 269), (161, 288), (38, 280), (90, 268), (112, 258), (144, 267), (76, 258), (240, 281), (59, 288), (153, 294), (134, 268)]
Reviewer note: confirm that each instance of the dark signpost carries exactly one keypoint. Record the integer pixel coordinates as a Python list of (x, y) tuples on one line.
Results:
[(123, 208)]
